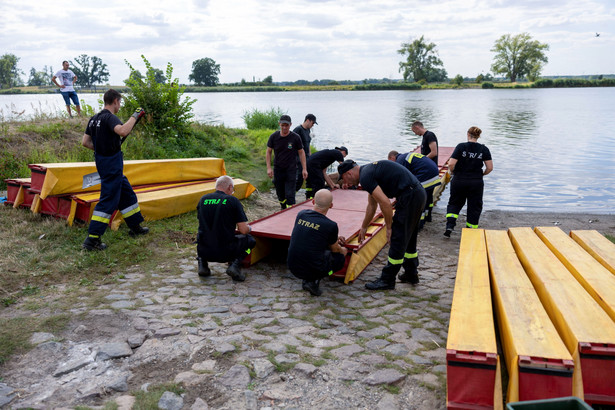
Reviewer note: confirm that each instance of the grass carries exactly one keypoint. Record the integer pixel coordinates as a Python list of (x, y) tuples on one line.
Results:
[(149, 400), (15, 332)]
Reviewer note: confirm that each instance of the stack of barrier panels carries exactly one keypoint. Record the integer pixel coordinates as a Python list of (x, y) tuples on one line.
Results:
[(164, 188), (586, 329)]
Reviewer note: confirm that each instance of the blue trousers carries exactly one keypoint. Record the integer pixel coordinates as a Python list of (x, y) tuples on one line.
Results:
[(115, 193)]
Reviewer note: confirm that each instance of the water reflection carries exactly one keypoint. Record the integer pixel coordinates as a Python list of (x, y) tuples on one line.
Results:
[(424, 114)]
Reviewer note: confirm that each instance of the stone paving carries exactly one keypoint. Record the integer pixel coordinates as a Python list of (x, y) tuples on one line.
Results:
[(262, 343)]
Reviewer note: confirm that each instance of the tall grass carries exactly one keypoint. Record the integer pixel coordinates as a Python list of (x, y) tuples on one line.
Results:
[(258, 120)]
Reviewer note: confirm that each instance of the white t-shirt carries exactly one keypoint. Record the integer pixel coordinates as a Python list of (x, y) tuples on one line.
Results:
[(66, 78)]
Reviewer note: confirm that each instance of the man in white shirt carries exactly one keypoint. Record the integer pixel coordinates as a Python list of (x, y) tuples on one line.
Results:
[(68, 79)]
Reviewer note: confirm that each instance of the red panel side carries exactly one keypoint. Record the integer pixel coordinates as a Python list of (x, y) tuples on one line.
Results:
[(28, 196), (470, 379), (37, 177), (64, 203), (82, 213), (541, 378), (598, 367), (12, 189), (49, 205)]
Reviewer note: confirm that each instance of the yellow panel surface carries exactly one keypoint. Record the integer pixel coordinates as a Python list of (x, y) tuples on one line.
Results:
[(471, 326), (365, 254), (525, 328), (595, 278), (576, 315), (598, 246), (65, 178)]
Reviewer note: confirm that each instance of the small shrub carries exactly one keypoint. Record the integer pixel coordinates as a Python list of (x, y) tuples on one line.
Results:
[(256, 120), (487, 84)]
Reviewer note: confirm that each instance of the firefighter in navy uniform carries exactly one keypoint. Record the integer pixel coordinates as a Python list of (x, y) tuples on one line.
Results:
[(466, 165), (426, 171), (104, 135), (219, 213), (384, 180), (317, 165), (315, 249)]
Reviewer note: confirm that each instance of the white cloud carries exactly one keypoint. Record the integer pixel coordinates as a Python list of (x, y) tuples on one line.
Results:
[(301, 39)]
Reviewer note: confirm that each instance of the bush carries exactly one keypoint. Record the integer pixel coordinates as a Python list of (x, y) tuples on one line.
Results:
[(167, 113), (458, 80), (387, 86), (258, 120), (487, 84)]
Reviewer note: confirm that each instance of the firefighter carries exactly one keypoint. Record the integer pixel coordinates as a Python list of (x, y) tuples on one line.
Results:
[(219, 213), (316, 251), (104, 135), (466, 165), (384, 180), (426, 171), (317, 165)]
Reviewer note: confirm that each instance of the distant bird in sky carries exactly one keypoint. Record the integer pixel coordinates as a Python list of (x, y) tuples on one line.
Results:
[(597, 34)]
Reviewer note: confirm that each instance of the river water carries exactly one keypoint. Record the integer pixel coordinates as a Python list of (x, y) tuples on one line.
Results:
[(553, 149)]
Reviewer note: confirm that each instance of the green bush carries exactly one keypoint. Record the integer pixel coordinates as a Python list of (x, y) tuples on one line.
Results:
[(387, 86), (258, 120), (487, 84), (168, 114)]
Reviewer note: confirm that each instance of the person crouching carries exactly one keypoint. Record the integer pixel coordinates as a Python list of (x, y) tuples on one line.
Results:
[(219, 213), (315, 250)]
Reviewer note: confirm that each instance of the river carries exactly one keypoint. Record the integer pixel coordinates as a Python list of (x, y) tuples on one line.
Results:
[(553, 149)]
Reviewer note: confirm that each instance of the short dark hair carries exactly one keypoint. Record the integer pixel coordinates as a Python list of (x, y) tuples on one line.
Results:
[(110, 96), (417, 123), (64, 62)]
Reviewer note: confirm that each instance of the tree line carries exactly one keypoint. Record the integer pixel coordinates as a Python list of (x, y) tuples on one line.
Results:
[(516, 57)]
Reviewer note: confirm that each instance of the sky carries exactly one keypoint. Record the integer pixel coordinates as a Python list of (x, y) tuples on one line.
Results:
[(301, 39)]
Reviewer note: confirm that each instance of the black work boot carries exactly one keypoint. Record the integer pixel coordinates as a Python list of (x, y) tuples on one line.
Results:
[(204, 270), (386, 279), (138, 230), (450, 226), (312, 287), (234, 271), (93, 244), (428, 217), (411, 274)]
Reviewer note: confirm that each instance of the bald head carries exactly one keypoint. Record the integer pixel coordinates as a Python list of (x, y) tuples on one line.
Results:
[(323, 200), (224, 183)]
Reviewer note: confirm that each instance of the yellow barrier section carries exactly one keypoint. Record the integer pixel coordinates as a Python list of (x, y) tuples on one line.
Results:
[(598, 246), (66, 178), (366, 253), (594, 277), (471, 331), (576, 315), (525, 328)]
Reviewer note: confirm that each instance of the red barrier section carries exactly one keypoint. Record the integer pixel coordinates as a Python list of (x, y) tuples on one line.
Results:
[(541, 378), (470, 379)]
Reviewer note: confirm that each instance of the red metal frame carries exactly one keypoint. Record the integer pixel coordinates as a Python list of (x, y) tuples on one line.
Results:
[(470, 379), (598, 367), (541, 378)]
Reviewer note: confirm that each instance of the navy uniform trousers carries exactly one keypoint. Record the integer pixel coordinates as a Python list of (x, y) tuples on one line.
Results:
[(405, 228), (115, 193)]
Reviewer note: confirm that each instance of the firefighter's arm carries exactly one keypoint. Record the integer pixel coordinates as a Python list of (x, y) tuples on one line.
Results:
[(87, 142)]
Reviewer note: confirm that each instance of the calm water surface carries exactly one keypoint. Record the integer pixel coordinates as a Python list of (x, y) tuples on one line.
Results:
[(553, 149)]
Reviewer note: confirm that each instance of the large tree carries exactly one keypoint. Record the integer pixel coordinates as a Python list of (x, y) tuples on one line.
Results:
[(9, 73), (89, 70), (205, 72), (519, 56), (422, 61)]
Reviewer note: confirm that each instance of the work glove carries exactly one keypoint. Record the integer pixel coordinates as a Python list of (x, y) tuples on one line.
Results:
[(139, 112)]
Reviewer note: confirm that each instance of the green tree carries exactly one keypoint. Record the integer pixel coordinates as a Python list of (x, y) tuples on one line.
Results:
[(480, 78), (38, 78), (458, 80), (89, 70), (9, 73), (205, 72), (268, 80), (518, 56), (159, 76), (167, 113), (422, 61)]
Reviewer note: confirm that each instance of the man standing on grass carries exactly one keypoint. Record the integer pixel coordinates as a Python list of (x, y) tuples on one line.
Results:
[(285, 145), (303, 131), (67, 89), (103, 135)]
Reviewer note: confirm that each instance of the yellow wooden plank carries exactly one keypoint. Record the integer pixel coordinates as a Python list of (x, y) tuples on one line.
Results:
[(524, 326), (598, 246), (594, 277), (575, 314), (471, 325)]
